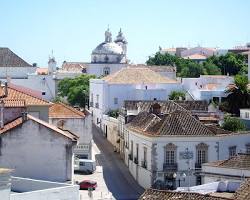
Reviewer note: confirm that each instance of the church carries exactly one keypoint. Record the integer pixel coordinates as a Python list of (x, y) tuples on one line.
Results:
[(108, 57)]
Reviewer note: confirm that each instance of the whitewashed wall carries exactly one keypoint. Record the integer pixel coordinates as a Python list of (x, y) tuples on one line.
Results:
[(34, 151), (16, 72)]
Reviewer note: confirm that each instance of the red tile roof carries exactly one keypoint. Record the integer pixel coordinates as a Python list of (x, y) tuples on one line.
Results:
[(60, 110), (23, 94)]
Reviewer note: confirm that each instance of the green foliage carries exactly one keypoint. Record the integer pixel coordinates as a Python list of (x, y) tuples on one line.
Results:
[(175, 95), (113, 113), (76, 90), (211, 69), (233, 124), (239, 95), (230, 63)]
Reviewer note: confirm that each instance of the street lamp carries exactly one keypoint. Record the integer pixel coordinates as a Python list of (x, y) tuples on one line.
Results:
[(183, 175)]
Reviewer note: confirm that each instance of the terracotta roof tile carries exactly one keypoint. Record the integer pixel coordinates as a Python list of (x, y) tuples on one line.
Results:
[(196, 57), (42, 71), (137, 75), (60, 110), (177, 123), (18, 93), (152, 194), (74, 67), (243, 193), (240, 161)]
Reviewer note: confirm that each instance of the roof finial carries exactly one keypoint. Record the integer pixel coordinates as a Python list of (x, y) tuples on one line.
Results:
[(108, 35)]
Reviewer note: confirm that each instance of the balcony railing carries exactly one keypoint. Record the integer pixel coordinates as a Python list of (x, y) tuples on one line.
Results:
[(198, 165), (91, 104), (130, 157), (97, 105), (170, 167), (144, 164), (136, 160)]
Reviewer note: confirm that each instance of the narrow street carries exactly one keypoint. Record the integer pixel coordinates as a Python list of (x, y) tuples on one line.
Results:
[(112, 174)]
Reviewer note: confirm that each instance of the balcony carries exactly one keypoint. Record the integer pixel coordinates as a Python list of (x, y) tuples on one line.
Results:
[(91, 104), (130, 157), (144, 164), (170, 167), (198, 165), (97, 105), (136, 160)]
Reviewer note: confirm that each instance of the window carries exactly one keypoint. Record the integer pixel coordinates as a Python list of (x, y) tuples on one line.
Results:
[(115, 100), (137, 150), (247, 115), (170, 153), (201, 153), (106, 71), (131, 149), (248, 148), (232, 151), (145, 153), (43, 93), (82, 164), (91, 97)]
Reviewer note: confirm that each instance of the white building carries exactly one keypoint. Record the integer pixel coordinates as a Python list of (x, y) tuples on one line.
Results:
[(207, 87), (13, 66), (132, 83), (79, 123), (235, 168), (160, 147), (17, 188), (36, 149)]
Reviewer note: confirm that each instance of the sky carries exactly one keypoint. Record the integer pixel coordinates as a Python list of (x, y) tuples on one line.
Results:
[(73, 28)]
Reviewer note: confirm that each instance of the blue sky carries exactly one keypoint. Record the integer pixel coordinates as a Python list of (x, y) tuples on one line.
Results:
[(73, 28)]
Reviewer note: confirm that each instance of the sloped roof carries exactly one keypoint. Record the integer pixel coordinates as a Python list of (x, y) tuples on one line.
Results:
[(42, 71), (60, 110), (156, 68), (177, 123), (27, 95), (137, 75), (74, 66), (240, 161), (19, 121), (153, 194), (196, 57), (243, 193), (166, 106), (10, 59)]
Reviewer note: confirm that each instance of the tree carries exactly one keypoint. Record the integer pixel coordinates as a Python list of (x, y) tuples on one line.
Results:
[(76, 89), (161, 59), (239, 95), (176, 95), (233, 124), (211, 69), (230, 63)]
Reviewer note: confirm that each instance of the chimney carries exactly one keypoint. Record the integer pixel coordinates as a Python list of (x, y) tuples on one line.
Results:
[(1, 114)]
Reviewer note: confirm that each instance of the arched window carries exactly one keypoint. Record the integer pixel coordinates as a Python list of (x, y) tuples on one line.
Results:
[(201, 154), (106, 58)]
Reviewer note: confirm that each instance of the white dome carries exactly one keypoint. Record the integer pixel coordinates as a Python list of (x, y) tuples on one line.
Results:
[(108, 48)]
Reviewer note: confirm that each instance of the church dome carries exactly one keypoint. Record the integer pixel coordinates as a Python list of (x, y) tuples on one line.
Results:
[(108, 48)]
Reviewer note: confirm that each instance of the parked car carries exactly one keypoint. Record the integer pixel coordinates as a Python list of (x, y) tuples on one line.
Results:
[(85, 165), (87, 184)]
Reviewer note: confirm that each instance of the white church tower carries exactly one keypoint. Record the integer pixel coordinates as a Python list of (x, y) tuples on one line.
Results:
[(52, 64), (121, 40)]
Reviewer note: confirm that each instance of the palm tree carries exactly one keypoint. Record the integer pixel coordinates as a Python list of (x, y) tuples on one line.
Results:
[(239, 94)]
